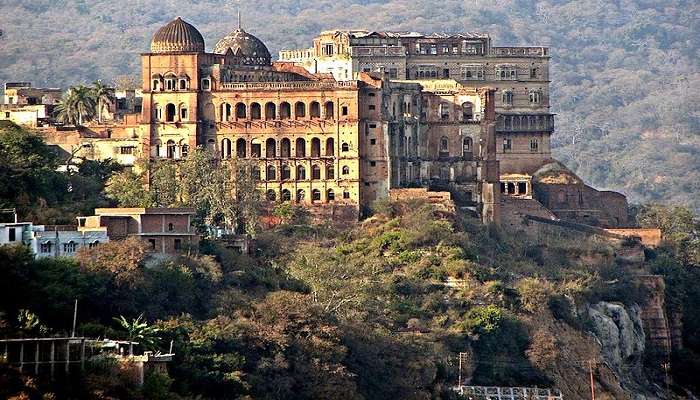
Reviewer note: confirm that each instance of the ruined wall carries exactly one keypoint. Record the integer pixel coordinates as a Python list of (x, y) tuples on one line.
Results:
[(514, 209), (583, 204), (650, 237)]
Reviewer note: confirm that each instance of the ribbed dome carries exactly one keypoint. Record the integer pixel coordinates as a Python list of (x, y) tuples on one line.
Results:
[(245, 45), (176, 37)]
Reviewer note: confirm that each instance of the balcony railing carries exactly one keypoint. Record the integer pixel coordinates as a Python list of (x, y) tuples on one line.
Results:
[(525, 123), (519, 51), (288, 85), (364, 51)]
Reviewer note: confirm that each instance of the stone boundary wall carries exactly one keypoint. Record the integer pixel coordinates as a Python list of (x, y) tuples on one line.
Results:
[(650, 237)]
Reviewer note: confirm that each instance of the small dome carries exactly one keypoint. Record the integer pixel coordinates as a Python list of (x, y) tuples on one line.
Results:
[(177, 37), (245, 45)]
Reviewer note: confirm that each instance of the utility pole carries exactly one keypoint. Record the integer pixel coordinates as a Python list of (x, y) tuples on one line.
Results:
[(666, 366), (75, 317), (590, 371)]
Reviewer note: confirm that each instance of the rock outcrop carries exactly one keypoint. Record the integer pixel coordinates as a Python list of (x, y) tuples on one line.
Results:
[(620, 332)]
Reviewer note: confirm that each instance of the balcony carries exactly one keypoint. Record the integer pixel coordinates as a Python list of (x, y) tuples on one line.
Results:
[(525, 123), (367, 51)]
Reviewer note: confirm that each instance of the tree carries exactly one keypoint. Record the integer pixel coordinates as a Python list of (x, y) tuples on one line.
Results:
[(128, 190), (120, 260), (103, 95), (77, 105), (28, 168), (679, 228), (138, 330)]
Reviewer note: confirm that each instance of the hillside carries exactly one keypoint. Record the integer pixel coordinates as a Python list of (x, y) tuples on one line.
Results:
[(377, 309), (625, 73)]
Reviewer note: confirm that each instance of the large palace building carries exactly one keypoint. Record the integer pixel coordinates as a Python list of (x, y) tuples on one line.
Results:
[(338, 125)]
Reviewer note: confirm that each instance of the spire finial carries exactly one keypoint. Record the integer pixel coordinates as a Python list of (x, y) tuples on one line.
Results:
[(238, 2)]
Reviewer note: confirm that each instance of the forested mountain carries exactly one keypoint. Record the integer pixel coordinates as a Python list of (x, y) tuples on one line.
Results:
[(625, 73)]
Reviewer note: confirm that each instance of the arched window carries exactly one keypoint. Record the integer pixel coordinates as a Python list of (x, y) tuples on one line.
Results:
[(171, 227), (271, 195), (285, 148), (329, 110), (315, 195), (255, 111), (240, 148), (444, 111), (315, 110), (225, 112), (444, 146), (170, 112), (346, 194), (206, 84), (535, 96), (299, 110), (240, 111), (330, 147), (286, 172), (344, 147), (157, 112), (467, 111), (330, 195), (315, 172), (255, 148), (300, 195), (183, 83), (271, 173), (330, 172), (467, 146), (170, 81), (255, 173), (156, 82), (184, 115), (301, 147), (185, 150), (507, 98), (286, 195), (285, 110), (315, 147), (225, 148), (270, 148), (346, 170), (301, 172), (270, 111), (170, 149)]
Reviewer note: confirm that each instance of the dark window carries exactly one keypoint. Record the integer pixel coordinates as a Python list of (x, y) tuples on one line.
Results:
[(372, 107), (12, 234), (344, 110), (346, 195), (373, 141), (152, 243), (507, 144), (373, 163), (177, 244), (170, 227)]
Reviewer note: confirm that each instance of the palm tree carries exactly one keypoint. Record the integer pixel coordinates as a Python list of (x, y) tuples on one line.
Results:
[(102, 95), (77, 105), (139, 331)]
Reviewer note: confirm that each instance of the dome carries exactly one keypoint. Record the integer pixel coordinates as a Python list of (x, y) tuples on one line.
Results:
[(245, 45), (176, 37)]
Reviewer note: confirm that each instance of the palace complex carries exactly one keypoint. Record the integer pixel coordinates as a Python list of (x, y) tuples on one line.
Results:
[(344, 122)]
